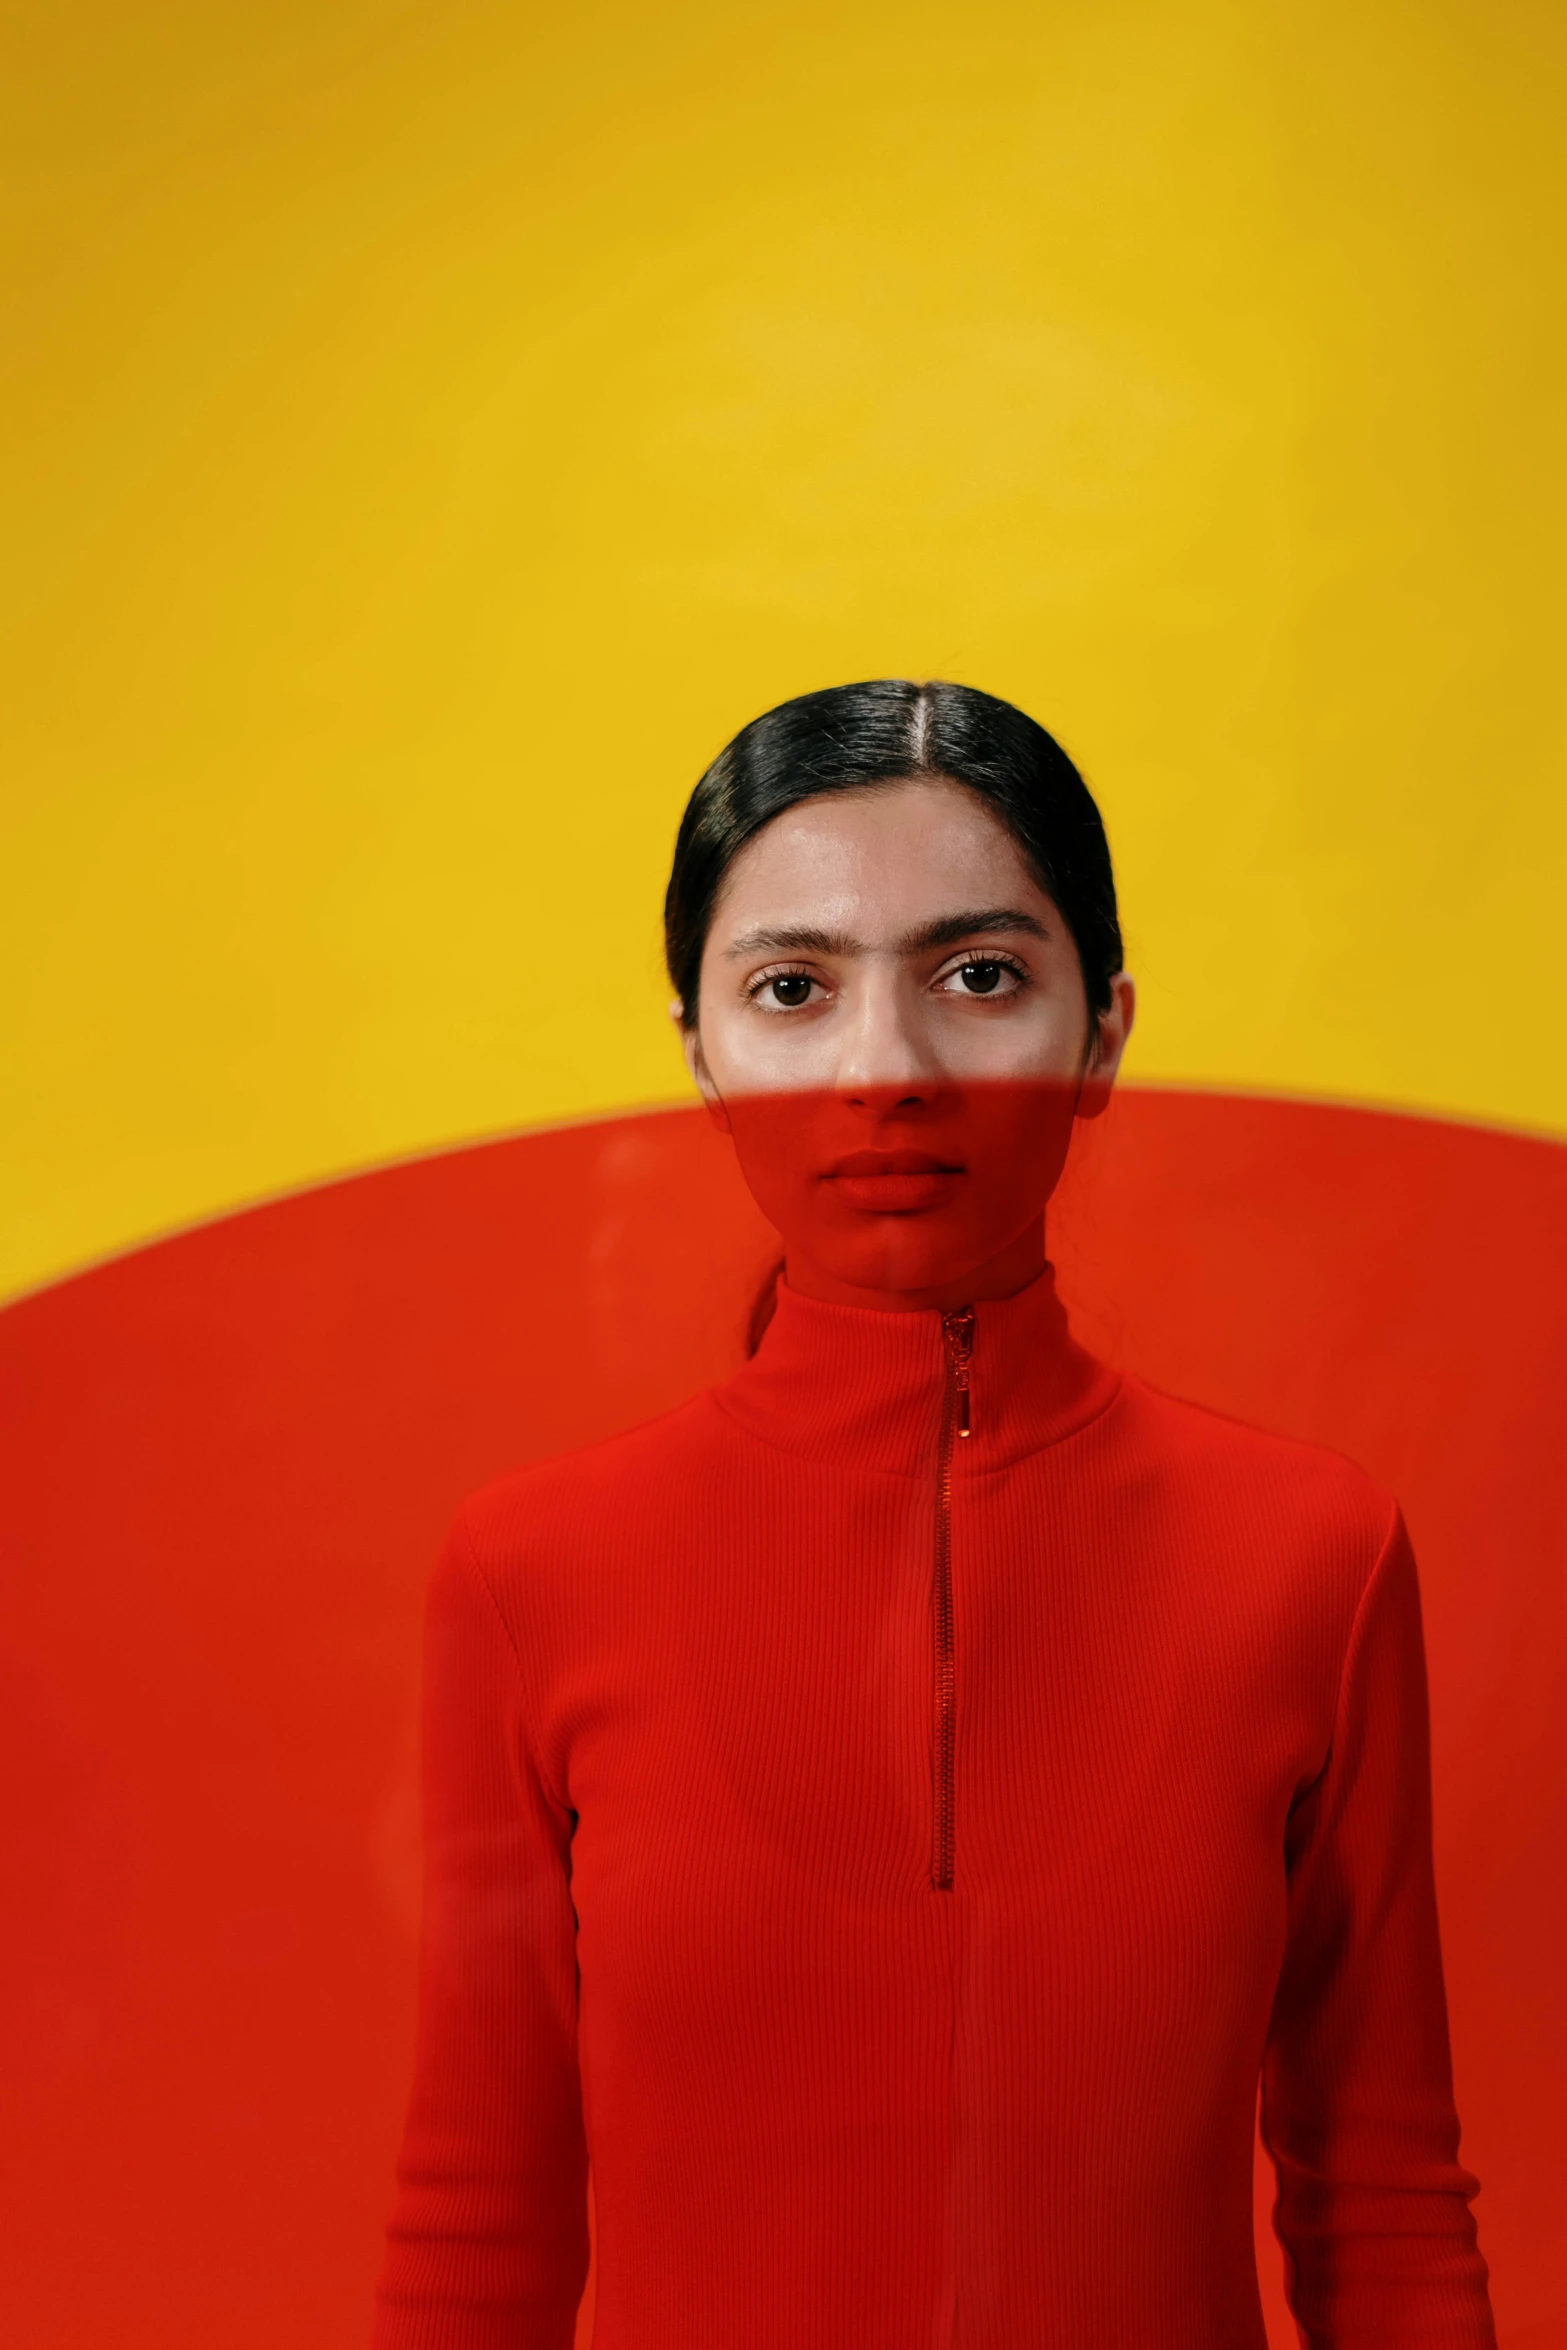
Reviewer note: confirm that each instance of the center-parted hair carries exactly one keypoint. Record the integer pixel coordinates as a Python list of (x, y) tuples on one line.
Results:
[(888, 730)]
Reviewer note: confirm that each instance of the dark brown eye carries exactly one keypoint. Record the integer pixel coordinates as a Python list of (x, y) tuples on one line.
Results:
[(981, 978), (790, 988)]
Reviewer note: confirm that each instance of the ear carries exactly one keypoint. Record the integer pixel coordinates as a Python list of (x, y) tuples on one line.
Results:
[(696, 1062), (1114, 1027)]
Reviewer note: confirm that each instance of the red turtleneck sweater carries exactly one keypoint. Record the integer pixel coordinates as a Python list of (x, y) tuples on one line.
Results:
[(891, 1854)]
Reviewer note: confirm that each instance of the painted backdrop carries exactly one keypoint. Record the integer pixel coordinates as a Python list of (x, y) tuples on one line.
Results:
[(433, 430)]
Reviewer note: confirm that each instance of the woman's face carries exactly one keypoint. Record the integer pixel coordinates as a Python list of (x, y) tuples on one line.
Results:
[(892, 1024)]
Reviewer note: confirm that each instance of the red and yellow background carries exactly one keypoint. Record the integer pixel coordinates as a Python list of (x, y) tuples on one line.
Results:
[(431, 430)]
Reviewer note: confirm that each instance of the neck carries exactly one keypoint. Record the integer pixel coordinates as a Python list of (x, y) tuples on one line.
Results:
[(871, 1390), (1003, 1275)]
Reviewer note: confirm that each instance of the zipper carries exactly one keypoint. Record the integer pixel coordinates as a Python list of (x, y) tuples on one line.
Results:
[(957, 1332)]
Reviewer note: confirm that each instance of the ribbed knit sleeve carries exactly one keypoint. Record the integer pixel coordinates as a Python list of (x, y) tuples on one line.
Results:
[(1358, 2109), (488, 2242)]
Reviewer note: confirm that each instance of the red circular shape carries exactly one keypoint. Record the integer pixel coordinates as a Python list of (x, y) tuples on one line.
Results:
[(229, 1459)]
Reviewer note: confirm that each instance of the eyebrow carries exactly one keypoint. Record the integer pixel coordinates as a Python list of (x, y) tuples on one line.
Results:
[(953, 928), (947, 930)]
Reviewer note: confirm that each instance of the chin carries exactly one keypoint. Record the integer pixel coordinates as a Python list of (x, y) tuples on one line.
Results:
[(896, 1253)]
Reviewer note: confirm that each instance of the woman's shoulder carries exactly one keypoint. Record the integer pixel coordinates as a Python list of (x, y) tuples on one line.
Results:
[(1282, 1536), (1237, 1465), (606, 1484)]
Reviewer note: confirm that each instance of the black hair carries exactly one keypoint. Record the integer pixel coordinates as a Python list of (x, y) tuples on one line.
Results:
[(881, 731)]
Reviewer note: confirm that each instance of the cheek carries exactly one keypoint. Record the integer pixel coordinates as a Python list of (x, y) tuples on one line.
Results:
[(1016, 1137), (783, 1140), (750, 1051)]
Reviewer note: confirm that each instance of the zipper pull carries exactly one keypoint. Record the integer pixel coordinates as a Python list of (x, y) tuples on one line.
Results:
[(958, 1331)]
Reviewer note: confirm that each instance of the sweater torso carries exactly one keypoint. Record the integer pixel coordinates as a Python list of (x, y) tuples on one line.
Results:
[(926, 1839)]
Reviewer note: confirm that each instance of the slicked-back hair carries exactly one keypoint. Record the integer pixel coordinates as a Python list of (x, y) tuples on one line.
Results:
[(889, 730)]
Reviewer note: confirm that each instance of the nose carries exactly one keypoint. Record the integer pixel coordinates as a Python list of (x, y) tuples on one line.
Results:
[(885, 1057)]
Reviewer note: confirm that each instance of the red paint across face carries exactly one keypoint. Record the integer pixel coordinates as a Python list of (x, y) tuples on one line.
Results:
[(921, 1195)]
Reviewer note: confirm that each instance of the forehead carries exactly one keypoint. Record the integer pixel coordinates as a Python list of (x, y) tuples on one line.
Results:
[(878, 859)]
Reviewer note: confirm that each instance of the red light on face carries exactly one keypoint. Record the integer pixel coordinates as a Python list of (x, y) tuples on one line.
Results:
[(906, 1195)]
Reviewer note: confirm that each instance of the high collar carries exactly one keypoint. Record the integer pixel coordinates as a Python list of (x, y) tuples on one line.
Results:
[(856, 1387)]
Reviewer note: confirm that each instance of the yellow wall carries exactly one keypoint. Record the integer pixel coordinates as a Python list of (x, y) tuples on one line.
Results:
[(432, 428)]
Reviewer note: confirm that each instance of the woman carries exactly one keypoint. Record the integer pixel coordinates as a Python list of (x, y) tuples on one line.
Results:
[(891, 1809)]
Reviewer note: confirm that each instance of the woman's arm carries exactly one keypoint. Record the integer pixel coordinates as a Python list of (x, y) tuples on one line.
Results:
[(488, 2243), (1357, 2104)]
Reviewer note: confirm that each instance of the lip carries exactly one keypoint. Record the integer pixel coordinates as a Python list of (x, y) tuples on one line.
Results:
[(873, 1164), (892, 1183)]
